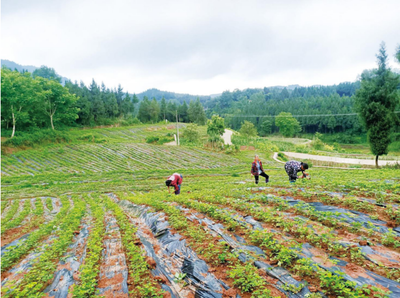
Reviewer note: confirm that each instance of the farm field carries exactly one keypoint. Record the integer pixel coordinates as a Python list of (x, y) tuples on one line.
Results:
[(85, 219)]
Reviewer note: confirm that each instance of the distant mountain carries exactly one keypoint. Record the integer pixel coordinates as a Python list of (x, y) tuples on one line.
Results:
[(215, 95), (12, 65), (289, 87), (179, 97)]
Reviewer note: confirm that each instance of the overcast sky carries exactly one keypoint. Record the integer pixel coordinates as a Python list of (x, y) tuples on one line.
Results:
[(200, 47)]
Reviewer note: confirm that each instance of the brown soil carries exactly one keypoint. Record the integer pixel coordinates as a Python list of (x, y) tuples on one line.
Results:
[(385, 261), (229, 293), (157, 248), (113, 294), (349, 236), (355, 271), (14, 233), (321, 257), (250, 148), (65, 266), (150, 261), (161, 279), (10, 150), (113, 281)]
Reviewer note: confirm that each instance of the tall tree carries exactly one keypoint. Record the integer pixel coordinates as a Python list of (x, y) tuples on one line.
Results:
[(127, 105), (171, 111), (196, 112), (154, 110), (144, 110), (163, 108), (266, 127), (110, 102), (58, 103), (183, 112), (284, 94), (215, 126), (119, 94), (248, 129), (47, 73), (18, 93), (288, 125), (97, 104), (375, 102)]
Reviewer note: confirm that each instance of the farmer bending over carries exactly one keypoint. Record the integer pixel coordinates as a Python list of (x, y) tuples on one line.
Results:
[(257, 169), (175, 180), (293, 167)]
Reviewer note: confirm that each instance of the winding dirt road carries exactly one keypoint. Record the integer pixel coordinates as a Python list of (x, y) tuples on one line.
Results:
[(369, 162)]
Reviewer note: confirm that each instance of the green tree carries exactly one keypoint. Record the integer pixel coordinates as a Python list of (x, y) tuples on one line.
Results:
[(19, 92), (398, 53), (97, 104), (248, 129), (144, 110), (375, 102), (57, 103), (127, 106), (163, 108), (171, 111), (47, 73), (284, 94), (266, 127), (215, 126), (183, 112), (154, 110), (196, 112), (288, 125), (191, 132), (110, 102)]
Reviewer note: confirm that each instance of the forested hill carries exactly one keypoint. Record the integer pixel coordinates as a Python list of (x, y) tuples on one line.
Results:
[(23, 68), (12, 65), (259, 106), (98, 105), (158, 95)]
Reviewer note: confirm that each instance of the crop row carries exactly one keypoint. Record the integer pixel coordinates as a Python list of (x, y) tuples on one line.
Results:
[(215, 252), (284, 256), (110, 157)]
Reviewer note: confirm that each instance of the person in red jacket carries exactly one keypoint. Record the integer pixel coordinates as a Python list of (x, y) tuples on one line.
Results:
[(257, 169), (175, 180)]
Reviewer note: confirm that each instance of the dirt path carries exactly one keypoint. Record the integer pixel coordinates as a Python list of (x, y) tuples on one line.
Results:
[(370, 162), (227, 136)]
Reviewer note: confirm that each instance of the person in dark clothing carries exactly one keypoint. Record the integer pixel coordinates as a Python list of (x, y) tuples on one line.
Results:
[(257, 170), (175, 180), (293, 167)]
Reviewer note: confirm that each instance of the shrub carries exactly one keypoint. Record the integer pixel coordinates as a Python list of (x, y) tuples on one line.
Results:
[(163, 140), (191, 133), (282, 156), (317, 144), (38, 137), (152, 139), (129, 121)]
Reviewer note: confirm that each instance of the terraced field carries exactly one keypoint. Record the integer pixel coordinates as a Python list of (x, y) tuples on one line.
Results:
[(119, 233)]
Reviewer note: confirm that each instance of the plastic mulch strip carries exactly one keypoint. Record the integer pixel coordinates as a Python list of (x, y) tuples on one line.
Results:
[(175, 254)]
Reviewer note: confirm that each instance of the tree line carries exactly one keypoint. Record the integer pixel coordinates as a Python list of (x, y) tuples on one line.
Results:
[(153, 111), (39, 100)]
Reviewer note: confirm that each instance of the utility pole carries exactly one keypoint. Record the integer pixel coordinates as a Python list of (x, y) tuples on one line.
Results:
[(177, 128)]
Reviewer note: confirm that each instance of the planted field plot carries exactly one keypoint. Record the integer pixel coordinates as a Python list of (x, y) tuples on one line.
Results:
[(93, 158), (224, 241), (95, 219)]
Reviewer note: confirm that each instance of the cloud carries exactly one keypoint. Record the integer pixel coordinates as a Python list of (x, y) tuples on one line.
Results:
[(200, 47)]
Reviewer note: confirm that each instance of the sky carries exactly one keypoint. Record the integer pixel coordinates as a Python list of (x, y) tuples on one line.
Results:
[(200, 47)]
